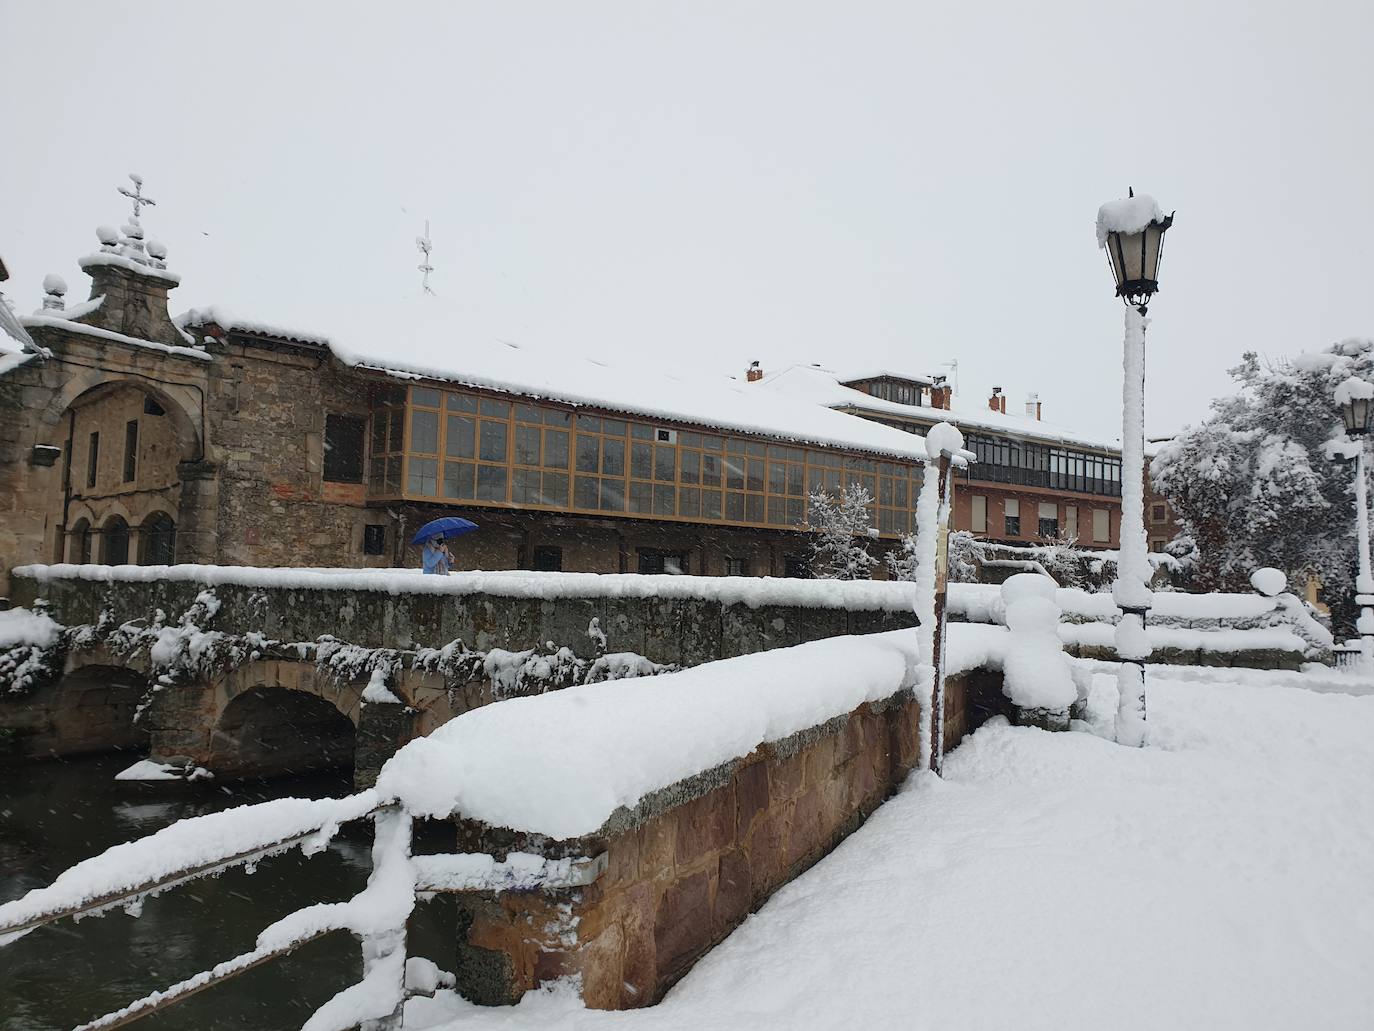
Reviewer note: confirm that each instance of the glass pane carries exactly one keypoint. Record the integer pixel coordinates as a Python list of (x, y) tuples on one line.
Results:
[(753, 508), (525, 487), (796, 511), (458, 480), (494, 435), (462, 436), (393, 474), (378, 433), (710, 504), (665, 463), (734, 507), (691, 467), (613, 456), (555, 491), (734, 474), (424, 476), (527, 445), (424, 432), (710, 470), (689, 501), (777, 477), (613, 427), (641, 432), (641, 497), (641, 461), (612, 495), (462, 403), (425, 396), (395, 439), (711, 443), (491, 482), (777, 514), (590, 423), (376, 474), (556, 449), (756, 449), (586, 492), (528, 413), (689, 439), (795, 473), (664, 497), (588, 449), (494, 409), (557, 417)]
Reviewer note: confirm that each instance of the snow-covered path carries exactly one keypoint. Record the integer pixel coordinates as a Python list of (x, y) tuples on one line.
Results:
[(1222, 878)]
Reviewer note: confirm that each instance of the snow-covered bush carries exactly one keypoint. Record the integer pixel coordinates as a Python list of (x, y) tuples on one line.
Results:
[(31, 650), (841, 528), (1261, 481)]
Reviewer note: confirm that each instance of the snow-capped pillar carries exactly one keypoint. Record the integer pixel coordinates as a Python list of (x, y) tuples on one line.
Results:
[(198, 513), (1131, 590), (384, 953)]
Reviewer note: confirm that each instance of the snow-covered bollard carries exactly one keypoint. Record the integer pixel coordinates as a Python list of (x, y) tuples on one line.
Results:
[(1268, 581), (1036, 674)]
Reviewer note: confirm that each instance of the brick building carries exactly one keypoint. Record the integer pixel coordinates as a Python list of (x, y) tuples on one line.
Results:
[(131, 436)]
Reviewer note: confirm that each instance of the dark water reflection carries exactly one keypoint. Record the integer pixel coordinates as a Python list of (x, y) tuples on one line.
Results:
[(55, 814)]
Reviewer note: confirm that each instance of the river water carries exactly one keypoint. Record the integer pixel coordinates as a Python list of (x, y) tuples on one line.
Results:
[(54, 814)]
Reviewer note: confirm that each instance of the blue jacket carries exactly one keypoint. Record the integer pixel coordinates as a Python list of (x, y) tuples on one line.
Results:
[(436, 560)]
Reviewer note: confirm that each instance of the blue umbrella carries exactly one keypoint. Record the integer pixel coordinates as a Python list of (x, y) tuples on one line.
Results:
[(449, 526)]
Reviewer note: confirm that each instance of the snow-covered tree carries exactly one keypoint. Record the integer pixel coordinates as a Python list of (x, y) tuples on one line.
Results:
[(840, 527), (1262, 482)]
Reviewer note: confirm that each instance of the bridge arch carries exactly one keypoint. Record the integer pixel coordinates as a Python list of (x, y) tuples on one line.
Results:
[(269, 731)]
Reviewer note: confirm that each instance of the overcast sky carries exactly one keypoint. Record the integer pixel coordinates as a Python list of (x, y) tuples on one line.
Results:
[(703, 184)]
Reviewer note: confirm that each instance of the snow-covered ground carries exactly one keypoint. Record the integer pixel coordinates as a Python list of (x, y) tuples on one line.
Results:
[(1221, 878)]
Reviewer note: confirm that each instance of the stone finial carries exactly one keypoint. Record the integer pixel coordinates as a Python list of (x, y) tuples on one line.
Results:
[(108, 237), (133, 240), (157, 254), (54, 289)]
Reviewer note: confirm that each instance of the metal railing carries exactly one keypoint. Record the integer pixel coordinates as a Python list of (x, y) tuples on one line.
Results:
[(377, 916)]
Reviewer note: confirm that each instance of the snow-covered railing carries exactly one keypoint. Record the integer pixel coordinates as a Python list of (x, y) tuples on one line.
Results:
[(564, 778)]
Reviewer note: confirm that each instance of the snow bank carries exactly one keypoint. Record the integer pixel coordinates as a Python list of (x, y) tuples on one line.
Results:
[(854, 595), (1127, 215), (560, 764), (186, 844)]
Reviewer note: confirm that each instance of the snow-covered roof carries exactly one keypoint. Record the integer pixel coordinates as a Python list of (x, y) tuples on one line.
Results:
[(682, 395), (856, 375), (823, 387), (62, 320)]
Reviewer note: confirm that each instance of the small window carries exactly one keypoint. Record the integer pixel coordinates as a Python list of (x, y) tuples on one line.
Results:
[(151, 407), (92, 459), (652, 561), (1157, 545), (130, 450), (1157, 513), (736, 567), (1071, 521), (1048, 520), (1011, 519), (374, 539), (1102, 525), (343, 448), (548, 559), (980, 514)]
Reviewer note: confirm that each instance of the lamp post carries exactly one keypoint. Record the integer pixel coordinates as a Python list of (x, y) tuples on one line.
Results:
[(1131, 231), (1356, 399)]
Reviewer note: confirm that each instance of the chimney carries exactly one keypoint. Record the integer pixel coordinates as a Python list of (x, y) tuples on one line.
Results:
[(1033, 406), (940, 392), (997, 403), (754, 373)]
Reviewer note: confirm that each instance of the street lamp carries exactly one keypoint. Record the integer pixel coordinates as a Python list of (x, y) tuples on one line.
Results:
[(1131, 231), (1356, 399)]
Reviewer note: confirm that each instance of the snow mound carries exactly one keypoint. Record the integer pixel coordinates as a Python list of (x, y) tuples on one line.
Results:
[(1268, 581), (1127, 215), (26, 628)]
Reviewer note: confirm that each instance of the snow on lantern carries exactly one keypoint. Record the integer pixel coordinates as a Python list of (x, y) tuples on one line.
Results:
[(1356, 400), (1131, 231)]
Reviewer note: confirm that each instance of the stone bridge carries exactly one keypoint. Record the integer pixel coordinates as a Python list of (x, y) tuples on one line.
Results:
[(251, 672)]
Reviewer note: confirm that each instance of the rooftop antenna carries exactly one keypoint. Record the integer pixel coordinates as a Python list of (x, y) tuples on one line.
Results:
[(423, 242), (953, 366)]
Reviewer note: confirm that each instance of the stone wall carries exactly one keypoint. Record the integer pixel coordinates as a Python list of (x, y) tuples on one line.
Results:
[(687, 865)]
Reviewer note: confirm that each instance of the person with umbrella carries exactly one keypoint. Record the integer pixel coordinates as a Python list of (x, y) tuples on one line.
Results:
[(436, 557)]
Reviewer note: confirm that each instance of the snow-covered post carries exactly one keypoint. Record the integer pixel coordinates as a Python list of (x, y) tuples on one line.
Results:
[(384, 953), (945, 451), (1356, 399), (1131, 231)]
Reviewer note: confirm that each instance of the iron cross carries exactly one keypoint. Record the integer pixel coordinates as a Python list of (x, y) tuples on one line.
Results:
[(422, 242), (136, 194)]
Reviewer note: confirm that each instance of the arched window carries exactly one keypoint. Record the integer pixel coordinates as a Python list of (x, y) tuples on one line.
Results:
[(79, 542), (116, 542), (159, 540)]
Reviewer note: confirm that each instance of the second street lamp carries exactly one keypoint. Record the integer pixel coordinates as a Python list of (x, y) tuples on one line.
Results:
[(1131, 231)]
